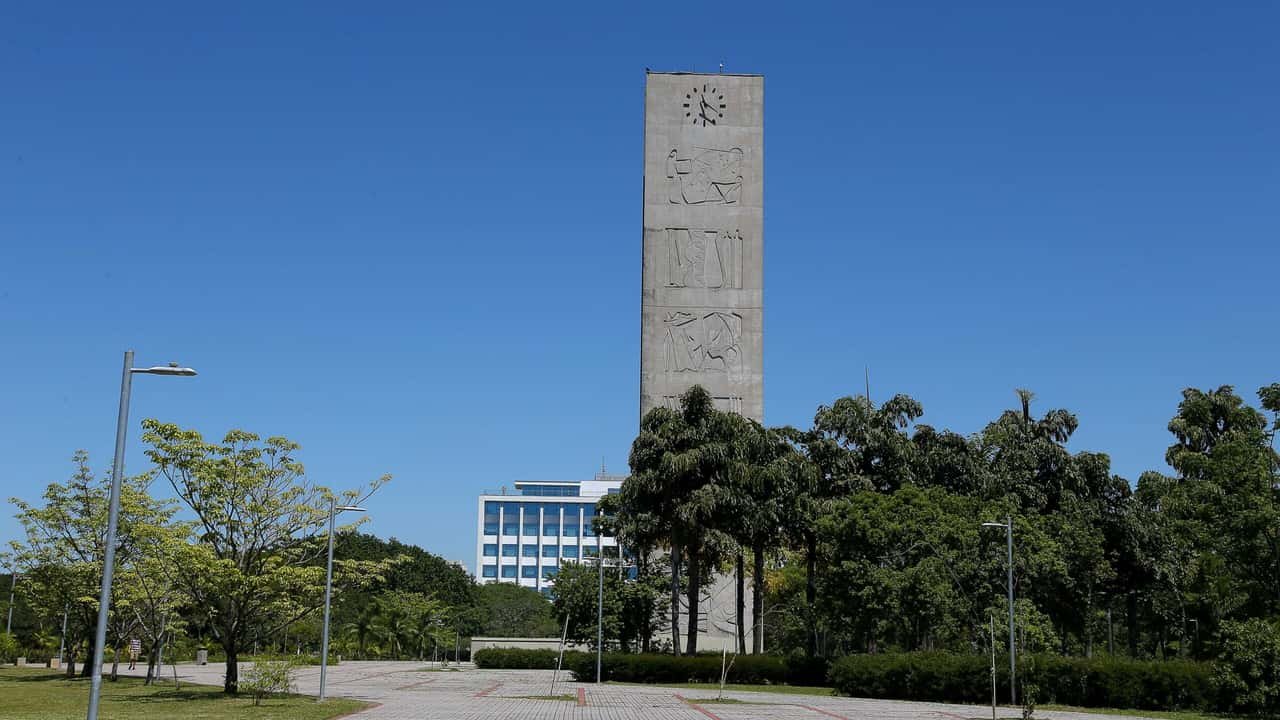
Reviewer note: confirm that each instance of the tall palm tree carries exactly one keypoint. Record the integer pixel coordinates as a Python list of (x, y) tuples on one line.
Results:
[(363, 626), (395, 626), (676, 463)]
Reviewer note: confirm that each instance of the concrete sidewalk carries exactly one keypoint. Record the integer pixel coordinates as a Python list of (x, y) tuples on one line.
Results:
[(420, 691)]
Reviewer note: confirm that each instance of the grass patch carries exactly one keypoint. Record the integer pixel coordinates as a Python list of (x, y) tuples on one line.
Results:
[(779, 689), (566, 697), (1159, 714), (41, 694)]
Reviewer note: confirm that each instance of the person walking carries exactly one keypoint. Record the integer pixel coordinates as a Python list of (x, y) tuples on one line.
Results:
[(135, 649)]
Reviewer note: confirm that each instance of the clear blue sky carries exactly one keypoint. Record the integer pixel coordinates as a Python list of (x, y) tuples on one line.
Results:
[(409, 237)]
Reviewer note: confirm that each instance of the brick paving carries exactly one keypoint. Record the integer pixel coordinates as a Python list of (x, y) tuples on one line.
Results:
[(410, 691)]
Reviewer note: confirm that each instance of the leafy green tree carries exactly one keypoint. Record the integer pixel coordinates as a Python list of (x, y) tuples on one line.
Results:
[(575, 596), (509, 610), (252, 555), (63, 553)]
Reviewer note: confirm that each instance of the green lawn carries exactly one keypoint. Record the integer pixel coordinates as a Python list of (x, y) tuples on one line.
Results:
[(36, 694)]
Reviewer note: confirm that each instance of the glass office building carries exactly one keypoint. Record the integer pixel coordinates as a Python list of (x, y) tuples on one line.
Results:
[(525, 537)]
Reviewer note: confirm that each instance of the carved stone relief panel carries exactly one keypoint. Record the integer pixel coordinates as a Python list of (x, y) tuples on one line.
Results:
[(703, 341), (697, 258), (726, 403), (705, 176)]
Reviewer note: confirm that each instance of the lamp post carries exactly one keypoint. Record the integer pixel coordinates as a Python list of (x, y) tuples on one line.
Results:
[(334, 509), (13, 584), (109, 551), (1013, 685), (600, 612)]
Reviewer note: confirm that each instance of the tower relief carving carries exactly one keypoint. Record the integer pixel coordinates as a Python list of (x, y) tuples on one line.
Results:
[(706, 176), (705, 341), (698, 258)]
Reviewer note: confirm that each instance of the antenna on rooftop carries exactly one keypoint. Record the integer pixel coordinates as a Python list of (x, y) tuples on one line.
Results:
[(602, 470), (722, 68), (867, 377)]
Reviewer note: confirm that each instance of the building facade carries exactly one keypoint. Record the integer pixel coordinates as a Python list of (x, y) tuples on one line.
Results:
[(702, 296), (524, 537)]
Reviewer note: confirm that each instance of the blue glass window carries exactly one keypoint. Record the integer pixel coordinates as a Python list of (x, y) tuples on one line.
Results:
[(548, 551), (546, 592), (510, 518), (529, 571), (489, 571), (589, 521), (571, 551), (490, 518), (550, 571), (529, 551), (590, 551), (508, 571), (509, 550), (531, 520), (490, 550)]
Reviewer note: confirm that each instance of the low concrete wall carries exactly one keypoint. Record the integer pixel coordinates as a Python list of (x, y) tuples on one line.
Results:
[(486, 643)]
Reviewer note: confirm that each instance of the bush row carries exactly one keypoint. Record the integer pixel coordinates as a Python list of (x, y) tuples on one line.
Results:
[(1087, 682), (520, 659), (748, 669), (653, 668)]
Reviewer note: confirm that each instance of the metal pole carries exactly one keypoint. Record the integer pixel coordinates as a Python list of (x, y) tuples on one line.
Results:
[(328, 582), (1013, 683), (992, 618), (600, 618), (1111, 647), (62, 646), (13, 584), (109, 552)]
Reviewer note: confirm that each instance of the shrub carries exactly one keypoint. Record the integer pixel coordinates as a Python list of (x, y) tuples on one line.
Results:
[(268, 677), (520, 659), (1248, 671), (654, 668), (8, 648), (1087, 682)]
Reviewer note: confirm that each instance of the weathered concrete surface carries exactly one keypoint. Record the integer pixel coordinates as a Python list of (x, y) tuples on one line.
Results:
[(404, 692), (702, 298)]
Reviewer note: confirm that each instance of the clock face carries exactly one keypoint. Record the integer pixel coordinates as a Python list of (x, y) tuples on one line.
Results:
[(705, 105)]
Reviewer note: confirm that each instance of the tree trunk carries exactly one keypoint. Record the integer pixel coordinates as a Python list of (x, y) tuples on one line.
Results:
[(71, 660), (1132, 612), (694, 595), (742, 603), (153, 671), (646, 625), (231, 683), (757, 600), (811, 593), (115, 663), (675, 599)]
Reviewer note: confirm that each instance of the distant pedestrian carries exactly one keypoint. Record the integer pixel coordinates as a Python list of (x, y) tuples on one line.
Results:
[(135, 649)]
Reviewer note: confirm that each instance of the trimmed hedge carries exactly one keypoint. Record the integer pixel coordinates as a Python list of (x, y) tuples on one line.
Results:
[(520, 659), (654, 668), (1086, 682)]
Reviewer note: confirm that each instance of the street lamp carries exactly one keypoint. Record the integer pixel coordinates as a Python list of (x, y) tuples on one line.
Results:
[(13, 584), (334, 509), (600, 611), (1013, 685), (109, 554)]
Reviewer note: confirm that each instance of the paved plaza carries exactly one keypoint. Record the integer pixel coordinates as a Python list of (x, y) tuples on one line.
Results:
[(405, 690)]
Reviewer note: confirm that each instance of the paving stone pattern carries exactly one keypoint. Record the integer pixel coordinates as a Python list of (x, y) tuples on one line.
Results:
[(405, 691)]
